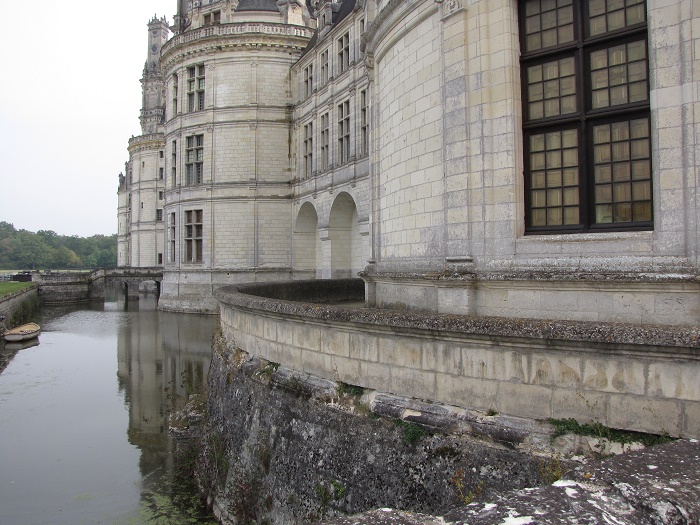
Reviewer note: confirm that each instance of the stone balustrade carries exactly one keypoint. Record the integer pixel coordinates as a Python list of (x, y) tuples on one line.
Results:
[(236, 29)]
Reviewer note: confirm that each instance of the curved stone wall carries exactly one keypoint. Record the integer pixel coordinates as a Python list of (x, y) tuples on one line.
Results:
[(625, 376)]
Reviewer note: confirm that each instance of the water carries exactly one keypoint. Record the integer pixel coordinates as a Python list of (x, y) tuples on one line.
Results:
[(83, 417)]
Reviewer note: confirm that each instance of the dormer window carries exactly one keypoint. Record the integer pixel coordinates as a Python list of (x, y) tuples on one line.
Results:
[(216, 17)]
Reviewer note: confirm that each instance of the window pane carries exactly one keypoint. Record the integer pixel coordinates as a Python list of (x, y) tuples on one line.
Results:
[(553, 189), (623, 212), (548, 23), (571, 196), (642, 211), (539, 217), (603, 174), (537, 142), (603, 214), (621, 172), (555, 83), (613, 15), (613, 150), (571, 215)]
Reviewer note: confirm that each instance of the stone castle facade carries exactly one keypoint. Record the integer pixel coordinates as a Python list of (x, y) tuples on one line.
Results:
[(515, 158)]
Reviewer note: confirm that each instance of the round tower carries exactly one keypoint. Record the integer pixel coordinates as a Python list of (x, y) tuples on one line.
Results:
[(228, 124)]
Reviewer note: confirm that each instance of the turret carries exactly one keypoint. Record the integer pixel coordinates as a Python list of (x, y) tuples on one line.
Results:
[(153, 88), (180, 22)]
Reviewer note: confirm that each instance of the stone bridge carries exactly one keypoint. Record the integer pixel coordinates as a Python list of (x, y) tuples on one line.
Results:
[(75, 287)]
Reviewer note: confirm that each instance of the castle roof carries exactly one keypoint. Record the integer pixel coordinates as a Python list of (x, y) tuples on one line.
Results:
[(258, 5)]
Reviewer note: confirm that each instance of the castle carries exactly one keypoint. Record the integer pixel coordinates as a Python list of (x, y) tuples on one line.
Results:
[(512, 158)]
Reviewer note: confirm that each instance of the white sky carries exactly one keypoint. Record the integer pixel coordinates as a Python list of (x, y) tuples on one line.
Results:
[(69, 101)]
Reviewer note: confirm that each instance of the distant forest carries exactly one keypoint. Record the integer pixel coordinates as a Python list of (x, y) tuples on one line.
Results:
[(45, 249)]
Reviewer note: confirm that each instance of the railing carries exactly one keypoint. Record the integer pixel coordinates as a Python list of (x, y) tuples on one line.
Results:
[(145, 138), (237, 29)]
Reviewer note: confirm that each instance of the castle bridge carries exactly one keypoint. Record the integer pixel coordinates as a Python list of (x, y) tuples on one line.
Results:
[(75, 287)]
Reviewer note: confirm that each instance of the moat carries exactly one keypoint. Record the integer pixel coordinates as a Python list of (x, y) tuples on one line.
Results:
[(84, 416)]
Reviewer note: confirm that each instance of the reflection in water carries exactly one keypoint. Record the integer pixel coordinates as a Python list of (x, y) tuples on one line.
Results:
[(84, 416)]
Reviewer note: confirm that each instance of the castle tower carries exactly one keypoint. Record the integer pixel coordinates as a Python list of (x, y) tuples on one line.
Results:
[(141, 189), (152, 86), (227, 128)]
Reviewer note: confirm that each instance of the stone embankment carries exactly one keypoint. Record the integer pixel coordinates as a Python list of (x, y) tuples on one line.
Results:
[(286, 447), (659, 486)]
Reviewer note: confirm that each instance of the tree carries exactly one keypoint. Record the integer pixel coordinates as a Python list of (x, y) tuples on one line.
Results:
[(31, 251), (65, 258)]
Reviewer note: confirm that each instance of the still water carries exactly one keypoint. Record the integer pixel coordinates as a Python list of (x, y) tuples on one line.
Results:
[(84, 417)]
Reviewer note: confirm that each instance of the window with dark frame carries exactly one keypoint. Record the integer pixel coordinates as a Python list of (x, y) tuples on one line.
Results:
[(325, 141), (159, 215), (309, 80), (343, 53), (344, 132), (193, 236), (308, 149), (364, 123), (195, 87), (586, 115), (174, 112), (173, 162), (194, 160), (324, 68), (171, 238)]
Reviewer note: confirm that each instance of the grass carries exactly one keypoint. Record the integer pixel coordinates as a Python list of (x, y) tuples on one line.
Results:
[(9, 287)]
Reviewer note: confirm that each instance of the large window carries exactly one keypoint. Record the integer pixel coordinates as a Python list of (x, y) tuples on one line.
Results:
[(174, 111), (173, 164), (344, 132), (586, 115), (194, 160), (308, 149), (343, 44), (195, 88), (364, 123), (325, 141), (171, 238), (324, 68), (193, 236), (308, 80)]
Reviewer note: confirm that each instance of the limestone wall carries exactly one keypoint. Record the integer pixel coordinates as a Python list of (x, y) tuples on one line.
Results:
[(625, 376)]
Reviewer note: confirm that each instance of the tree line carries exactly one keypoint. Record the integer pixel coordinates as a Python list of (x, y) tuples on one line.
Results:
[(45, 249)]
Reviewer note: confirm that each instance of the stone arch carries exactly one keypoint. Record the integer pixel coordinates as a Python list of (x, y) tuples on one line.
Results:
[(344, 234), (307, 249)]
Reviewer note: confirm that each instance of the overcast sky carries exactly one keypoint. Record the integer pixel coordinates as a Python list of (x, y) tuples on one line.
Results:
[(70, 99)]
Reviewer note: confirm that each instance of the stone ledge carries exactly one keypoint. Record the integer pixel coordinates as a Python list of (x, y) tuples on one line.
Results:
[(278, 298)]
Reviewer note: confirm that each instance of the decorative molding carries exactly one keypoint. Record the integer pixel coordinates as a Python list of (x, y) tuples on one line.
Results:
[(450, 7)]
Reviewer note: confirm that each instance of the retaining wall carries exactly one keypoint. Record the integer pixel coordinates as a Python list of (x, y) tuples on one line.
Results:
[(625, 376), (13, 302)]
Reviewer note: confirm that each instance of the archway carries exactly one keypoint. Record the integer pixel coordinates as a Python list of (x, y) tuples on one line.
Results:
[(344, 234), (307, 253)]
